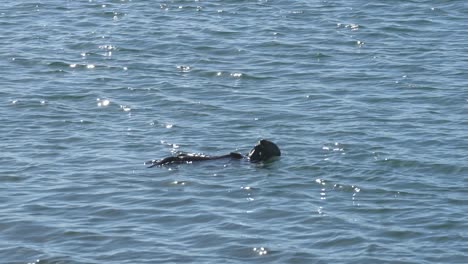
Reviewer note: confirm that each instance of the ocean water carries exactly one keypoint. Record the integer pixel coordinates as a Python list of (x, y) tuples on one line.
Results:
[(368, 102)]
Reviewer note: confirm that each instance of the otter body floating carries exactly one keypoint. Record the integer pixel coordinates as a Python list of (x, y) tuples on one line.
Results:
[(263, 151)]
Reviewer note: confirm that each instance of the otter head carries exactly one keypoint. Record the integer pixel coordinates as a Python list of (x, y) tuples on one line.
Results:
[(264, 150)]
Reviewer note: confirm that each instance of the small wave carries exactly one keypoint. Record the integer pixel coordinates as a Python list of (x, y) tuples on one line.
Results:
[(59, 64), (11, 178)]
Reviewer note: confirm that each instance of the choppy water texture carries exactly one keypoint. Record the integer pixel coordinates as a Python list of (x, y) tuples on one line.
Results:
[(368, 102)]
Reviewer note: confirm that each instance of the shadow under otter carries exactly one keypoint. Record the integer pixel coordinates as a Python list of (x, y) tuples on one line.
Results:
[(263, 151)]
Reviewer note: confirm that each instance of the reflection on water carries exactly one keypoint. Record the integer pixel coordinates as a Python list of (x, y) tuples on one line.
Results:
[(367, 102)]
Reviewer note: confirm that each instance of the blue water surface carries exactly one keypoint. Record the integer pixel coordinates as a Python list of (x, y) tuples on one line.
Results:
[(368, 102)]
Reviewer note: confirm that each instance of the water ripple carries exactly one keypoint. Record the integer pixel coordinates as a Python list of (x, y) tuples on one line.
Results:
[(369, 111)]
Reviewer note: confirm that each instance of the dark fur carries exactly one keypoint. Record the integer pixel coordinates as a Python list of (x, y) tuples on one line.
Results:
[(263, 151)]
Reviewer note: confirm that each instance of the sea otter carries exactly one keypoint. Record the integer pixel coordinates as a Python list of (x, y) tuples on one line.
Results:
[(263, 151)]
